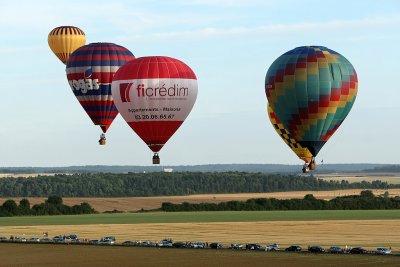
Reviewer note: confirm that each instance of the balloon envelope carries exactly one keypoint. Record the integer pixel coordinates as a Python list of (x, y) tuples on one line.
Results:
[(302, 152), (154, 95), (64, 40), (90, 70), (311, 89)]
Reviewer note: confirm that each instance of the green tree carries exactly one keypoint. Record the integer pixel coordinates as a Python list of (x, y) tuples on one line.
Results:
[(309, 197), (24, 207), (367, 194), (54, 200), (11, 207)]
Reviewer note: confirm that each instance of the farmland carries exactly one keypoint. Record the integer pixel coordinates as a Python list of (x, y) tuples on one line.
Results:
[(61, 255), (352, 228), (359, 177), (137, 203), (202, 217)]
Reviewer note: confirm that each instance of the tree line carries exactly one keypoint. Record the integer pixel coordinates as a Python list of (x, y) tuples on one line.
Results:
[(365, 201), (166, 184), (52, 206)]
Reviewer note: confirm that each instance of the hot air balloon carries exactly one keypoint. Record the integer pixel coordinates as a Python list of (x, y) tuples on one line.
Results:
[(154, 95), (64, 40), (90, 70), (311, 89), (302, 152)]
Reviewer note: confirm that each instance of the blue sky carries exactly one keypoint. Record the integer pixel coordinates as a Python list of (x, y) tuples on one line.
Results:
[(229, 44)]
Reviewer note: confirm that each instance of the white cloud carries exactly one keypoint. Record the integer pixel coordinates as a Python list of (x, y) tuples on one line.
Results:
[(227, 3), (364, 24)]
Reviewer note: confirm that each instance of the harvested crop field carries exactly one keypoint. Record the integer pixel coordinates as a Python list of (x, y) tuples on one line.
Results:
[(359, 177), (137, 203), (62, 255), (368, 233)]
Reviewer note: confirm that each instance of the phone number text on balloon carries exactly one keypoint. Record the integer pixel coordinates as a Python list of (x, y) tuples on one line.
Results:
[(155, 117)]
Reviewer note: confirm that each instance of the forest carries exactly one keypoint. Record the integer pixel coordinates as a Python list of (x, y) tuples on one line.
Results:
[(167, 184), (365, 201), (254, 168)]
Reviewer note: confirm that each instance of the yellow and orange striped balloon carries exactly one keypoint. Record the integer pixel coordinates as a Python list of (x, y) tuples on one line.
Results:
[(64, 40)]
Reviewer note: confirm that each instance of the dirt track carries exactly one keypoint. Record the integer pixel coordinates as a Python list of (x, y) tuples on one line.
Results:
[(61, 255), (137, 203)]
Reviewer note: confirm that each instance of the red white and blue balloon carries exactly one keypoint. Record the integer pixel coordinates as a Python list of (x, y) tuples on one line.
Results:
[(90, 70)]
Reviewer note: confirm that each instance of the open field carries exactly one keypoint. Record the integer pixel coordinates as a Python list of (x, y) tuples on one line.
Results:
[(326, 228), (369, 234), (202, 217), (137, 203), (358, 177), (26, 175), (62, 255)]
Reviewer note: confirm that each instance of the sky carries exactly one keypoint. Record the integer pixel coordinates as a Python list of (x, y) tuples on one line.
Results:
[(230, 45)]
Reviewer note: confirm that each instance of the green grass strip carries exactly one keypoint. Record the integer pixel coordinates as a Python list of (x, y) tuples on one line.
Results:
[(199, 217)]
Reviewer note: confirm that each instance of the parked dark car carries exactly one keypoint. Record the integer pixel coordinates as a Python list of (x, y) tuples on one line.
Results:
[(336, 250), (72, 236), (316, 249), (358, 250), (94, 242), (129, 243), (179, 245), (147, 243), (253, 246), (76, 241), (58, 239), (293, 248), (46, 240), (216, 245)]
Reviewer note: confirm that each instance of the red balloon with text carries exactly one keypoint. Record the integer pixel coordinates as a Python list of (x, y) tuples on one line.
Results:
[(154, 95)]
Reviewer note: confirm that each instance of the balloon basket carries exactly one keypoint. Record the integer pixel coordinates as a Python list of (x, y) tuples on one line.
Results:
[(156, 159), (313, 166), (102, 142)]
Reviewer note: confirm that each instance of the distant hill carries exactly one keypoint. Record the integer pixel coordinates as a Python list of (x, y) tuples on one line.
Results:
[(386, 168), (264, 168)]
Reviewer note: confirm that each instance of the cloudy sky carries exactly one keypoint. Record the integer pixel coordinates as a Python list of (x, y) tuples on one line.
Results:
[(229, 44)]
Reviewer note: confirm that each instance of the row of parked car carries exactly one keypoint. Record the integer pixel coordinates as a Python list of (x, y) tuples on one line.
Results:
[(339, 250), (170, 243), (70, 239), (313, 249), (110, 240), (255, 246)]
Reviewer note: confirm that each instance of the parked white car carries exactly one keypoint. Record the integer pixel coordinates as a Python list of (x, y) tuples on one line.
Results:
[(236, 246), (198, 245), (165, 243), (108, 240), (272, 247), (20, 239), (383, 251)]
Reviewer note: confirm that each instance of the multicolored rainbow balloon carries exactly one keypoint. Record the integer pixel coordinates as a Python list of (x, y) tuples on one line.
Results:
[(311, 89)]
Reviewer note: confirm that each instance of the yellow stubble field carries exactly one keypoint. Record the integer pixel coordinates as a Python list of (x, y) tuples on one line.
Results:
[(368, 233)]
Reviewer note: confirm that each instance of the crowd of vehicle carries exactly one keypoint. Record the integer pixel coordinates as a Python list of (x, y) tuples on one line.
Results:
[(165, 243)]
